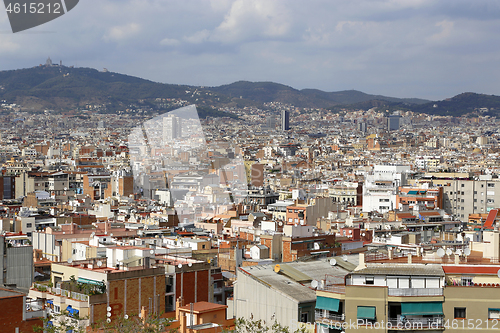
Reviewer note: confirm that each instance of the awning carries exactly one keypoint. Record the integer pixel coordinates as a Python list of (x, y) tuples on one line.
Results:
[(422, 192), (366, 312), (422, 309), (49, 301), (88, 281), (71, 311), (412, 192), (325, 303)]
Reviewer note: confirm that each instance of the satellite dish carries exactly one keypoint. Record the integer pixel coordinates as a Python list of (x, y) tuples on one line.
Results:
[(108, 314), (108, 320), (277, 268), (344, 257), (190, 264), (467, 252), (314, 284), (440, 253), (152, 251), (92, 234), (280, 223), (99, 263), (108, 308), (449, 251), (180, 265), (126, 316), (333, 262), (363, 234), (65, 188), (264, 218), (459, 252), (498, 273), (70, 260), (209, 261)]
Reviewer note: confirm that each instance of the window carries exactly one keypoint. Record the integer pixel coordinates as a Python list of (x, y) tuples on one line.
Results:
[(303, 317), (369, 280), (493, 313), (467, 281), (459, 313), (463, 185), (28, 225), (491, 184)]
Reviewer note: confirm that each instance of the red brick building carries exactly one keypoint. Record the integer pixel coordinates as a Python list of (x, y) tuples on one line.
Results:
[(15, 316)]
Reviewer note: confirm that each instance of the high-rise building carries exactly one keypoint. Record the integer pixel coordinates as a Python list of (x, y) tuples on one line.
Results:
[(171, 128), (285, 120), (393, 122), (271, 122)]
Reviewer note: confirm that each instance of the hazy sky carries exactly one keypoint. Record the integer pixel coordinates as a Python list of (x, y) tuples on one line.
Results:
[(402, 48)]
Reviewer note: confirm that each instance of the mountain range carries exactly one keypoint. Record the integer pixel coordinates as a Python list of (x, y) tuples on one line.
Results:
[(64, 88)]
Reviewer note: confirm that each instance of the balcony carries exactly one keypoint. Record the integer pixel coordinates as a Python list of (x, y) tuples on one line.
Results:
[(415, 292), (320, 314), (404, 323), (339, 289)]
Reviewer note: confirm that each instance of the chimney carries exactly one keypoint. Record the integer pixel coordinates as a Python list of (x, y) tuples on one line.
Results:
[(178, 303), (410, 258), (390, 253), (362, 263)]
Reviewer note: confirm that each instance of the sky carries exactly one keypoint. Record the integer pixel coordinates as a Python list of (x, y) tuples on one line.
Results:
[(428, 49)]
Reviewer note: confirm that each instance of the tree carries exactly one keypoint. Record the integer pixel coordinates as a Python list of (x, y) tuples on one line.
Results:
[(151, 324), (61, 322), (258, 326)]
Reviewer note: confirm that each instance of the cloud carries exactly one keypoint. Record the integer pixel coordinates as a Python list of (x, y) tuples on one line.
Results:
[(446, 30), (120, 33), (169, 42)]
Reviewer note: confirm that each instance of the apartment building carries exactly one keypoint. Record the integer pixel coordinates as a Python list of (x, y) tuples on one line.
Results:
[(464, 197), (92, 291)]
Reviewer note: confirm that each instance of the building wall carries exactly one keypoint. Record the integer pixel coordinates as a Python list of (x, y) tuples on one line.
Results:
[(476, 301), (193, 286), (253, 299), (11, 316), (365, 296), (464, 197), (19, 266)]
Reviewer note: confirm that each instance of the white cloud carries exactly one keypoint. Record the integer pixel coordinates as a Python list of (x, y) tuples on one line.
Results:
[(169, 42), (198, 37), (122, 32)]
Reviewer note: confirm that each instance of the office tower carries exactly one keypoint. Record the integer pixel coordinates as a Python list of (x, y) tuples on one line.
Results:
[(271, 122), (170, 128), (393, 122), (362, 127), (285, 120)]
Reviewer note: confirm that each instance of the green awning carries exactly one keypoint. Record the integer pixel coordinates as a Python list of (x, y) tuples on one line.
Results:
[(422, 309), (88, 281), (422, 192), (325, 303), (366, 312), (412, 192)]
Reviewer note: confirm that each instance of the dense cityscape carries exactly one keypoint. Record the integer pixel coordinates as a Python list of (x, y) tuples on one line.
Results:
[(306, 218)]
